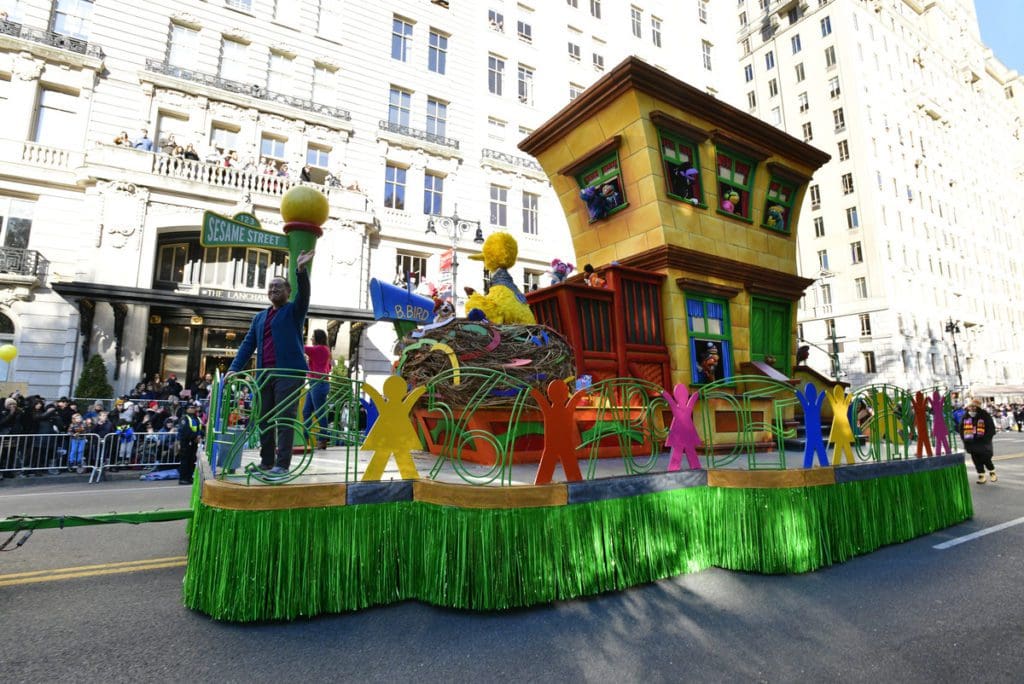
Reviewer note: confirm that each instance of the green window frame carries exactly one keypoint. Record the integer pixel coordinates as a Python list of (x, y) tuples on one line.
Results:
[(605, 177), (709, 332), (735, 174), (677, 155), (781, 193)]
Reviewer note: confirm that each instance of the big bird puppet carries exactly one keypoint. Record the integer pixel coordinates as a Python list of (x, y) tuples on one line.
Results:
[(504, 303)]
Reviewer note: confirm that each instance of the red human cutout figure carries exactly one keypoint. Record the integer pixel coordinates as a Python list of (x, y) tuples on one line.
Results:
[(682, 434), (559, 435), (921, 424)]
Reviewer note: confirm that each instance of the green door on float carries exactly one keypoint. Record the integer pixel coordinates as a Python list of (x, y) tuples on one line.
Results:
[(770, 332)]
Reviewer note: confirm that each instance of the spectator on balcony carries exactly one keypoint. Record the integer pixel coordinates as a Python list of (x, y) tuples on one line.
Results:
[(190, 153), (231, 160), (267, 167), (144, 142), (304, 174), (168, 145), (123, 140), (282, 172)]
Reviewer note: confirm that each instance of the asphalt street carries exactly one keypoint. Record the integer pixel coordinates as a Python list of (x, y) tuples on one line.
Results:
[(104, 604)]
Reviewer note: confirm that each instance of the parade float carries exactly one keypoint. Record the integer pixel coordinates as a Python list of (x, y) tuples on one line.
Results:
[(651, 426)]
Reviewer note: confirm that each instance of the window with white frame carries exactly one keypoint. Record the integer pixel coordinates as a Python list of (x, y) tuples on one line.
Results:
[(819, 226), (773, 87), (743, 19), (495, 128), (574, 51), (399, 106), (799, 69), (869, 362), (243, 5), (776, 116), (496, 20), (57, 123), (223, 138), (273, 146), (746, 46), (815, 192), (437, 52), (16, 222), (705, 50), (499, 206), (279, 73), (702, 11), (525, 84), (808, 132), (751, 100), (218, 264), (636, 17), (833, 87), (656, 31), (830, 56), (495, 74), (13, 10), (598, 62), (865, 324), (433, 193), (183, 48), (574, 91), (531, 280), (852, 221), (823, 259), (437, 117), (803, 102), (840, 119), (530, 212), (287, 12), (234, 61), (171, 262), (318, 155), (861, 286), (394, 187), (401, 37), (794, 42), (409, 264), (830, 323), (826, 26), (769, 60), (73, 18), (856, 253), (844, 150), (324, 80), (748, 73), (595, 8), (524, 31), (847, 180), (826, 294)]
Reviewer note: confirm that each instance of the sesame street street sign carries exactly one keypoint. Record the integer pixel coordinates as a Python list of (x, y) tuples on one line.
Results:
[(242, 230)]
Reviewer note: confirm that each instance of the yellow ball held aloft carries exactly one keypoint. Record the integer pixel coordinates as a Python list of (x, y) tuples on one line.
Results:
[(305, 204), (8, 352)]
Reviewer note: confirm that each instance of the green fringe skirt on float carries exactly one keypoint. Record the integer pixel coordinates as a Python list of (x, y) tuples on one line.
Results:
[(282, 564)]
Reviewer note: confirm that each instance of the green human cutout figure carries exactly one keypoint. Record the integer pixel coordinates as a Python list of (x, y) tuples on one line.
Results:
[(559, 437), (392, 433), (841, 435)]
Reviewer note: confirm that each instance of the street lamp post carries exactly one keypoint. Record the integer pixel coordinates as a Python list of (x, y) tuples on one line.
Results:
[(455, 227), (952, 327)]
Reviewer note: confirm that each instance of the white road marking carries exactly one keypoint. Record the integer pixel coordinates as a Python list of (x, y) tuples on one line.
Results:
[(90, 491), (975, 535)]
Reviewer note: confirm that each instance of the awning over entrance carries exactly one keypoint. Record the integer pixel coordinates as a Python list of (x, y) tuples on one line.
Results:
[(199, 303)]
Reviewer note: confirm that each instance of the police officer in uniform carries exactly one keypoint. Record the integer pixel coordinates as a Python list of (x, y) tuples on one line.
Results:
[(188, 443)]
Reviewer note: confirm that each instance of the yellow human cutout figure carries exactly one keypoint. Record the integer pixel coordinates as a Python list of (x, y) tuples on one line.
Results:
[(886, 421), (841, 435), (392, 433)]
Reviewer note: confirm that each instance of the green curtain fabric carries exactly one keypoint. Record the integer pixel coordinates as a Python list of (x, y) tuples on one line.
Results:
[(273, 565)]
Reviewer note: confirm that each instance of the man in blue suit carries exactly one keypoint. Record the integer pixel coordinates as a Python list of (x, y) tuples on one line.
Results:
[(276, 337)]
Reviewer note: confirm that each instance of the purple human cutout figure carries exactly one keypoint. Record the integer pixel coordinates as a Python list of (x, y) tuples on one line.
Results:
[(682, 435), (811, 400), (939, 429)]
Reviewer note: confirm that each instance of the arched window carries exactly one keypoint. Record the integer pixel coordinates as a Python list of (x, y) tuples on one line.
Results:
[(6, 330)]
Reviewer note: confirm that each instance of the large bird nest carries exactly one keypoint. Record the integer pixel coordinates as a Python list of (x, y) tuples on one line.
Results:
[(533, 354)]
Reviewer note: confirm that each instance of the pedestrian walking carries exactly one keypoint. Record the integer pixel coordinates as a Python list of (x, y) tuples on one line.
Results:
[(977, 430)]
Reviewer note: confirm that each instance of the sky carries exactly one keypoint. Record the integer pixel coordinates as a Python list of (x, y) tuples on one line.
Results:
[(1001, 23)]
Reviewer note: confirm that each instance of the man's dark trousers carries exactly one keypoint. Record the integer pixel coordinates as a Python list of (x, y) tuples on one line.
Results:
[(278, 393)]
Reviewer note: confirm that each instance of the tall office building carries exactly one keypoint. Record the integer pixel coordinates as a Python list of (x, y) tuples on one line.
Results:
[(914, 230), (400, 110)]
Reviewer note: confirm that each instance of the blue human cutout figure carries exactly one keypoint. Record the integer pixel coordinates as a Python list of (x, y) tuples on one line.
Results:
[(811, 400)]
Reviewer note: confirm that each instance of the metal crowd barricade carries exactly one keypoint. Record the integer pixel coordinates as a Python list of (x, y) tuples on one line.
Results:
[(143, 451), (49, 454)]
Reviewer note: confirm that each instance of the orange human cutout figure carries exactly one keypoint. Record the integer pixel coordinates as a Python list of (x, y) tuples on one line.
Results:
[(392, 433), (841, 434), (559, 439), (921, 424)]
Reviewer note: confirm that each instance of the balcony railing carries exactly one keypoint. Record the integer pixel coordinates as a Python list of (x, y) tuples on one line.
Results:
[(418, 134), (253, 90), (27, 262), (222, 176), (57, 40), (512, 159)]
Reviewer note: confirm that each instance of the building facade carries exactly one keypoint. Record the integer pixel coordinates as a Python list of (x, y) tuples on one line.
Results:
[(398, 110), (913, 231)]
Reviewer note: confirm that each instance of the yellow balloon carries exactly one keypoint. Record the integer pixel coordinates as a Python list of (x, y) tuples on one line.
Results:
[(8, 352)]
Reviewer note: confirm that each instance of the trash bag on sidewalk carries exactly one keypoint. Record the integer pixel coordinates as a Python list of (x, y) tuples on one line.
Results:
[(171, 474)]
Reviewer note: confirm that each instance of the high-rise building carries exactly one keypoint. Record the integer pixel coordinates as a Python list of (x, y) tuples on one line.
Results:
[(914, 230), (125, 121)]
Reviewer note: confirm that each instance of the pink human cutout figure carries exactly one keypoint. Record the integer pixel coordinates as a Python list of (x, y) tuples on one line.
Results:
[(921, 424), (559, 436), (682, 435), (939, 428)]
